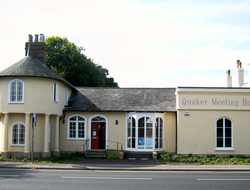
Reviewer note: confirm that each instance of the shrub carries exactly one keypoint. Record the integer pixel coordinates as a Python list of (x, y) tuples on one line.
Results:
[(166, 156), (178, 157)]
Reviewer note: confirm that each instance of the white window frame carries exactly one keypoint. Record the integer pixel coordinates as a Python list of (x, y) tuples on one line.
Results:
[(22, 94), (66, 97), (224, 135), (160, 136), (55, 92), (137, 116), (11, 134), (76, 122)]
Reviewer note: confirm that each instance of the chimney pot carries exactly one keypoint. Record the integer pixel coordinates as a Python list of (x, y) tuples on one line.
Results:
[(239, 73), (36, 37), (239, 65), (41, 38), (30, 38), (229, 79)]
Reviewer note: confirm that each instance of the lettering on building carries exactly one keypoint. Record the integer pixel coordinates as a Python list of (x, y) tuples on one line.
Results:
[(227, 102)]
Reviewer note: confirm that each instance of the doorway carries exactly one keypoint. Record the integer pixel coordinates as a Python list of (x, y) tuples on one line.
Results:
[(98, 133)]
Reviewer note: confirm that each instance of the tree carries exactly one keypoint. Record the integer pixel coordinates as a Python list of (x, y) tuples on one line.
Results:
[(67, 60)]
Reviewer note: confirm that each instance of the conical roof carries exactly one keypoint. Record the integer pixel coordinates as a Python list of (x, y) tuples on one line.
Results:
[(31, 67)]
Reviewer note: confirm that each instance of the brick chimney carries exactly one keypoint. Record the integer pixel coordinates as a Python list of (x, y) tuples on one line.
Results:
[(36, 49), (239, 73)]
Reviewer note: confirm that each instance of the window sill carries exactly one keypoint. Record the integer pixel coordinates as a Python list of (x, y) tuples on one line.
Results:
[(224, 149), (75, 139), (15, 102), (22, 145), (144, 150)]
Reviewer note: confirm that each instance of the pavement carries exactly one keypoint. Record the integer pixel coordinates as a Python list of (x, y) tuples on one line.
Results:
[(129, 163)]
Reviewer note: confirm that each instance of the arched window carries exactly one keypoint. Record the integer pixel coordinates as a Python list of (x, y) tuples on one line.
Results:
[(224, 133), (98, 119), (158, 132), (55, 92), (76, 127), (144, 132), (16, 91), (131, 132), (18, 134)]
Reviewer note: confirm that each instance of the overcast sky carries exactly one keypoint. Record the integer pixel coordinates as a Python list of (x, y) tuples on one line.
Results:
[(143, 43)]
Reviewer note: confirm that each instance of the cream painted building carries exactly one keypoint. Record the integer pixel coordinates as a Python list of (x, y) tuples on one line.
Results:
[(214, 120), (70, 119), (186, 120)]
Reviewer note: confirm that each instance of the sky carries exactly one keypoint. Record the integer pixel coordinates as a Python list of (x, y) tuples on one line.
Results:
[(143, 43)]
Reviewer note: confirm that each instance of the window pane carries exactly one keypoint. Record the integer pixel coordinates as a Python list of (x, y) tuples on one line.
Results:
[(149, 122), (149, 133), (129, 131), (80, 130), (81, 118), (133, 127), (72, 130), (55, 92), (21, 134), (141, 132), (73, 118), (161, 143), (220, 123), (13, 91), (228, 132), (133, 142), (228, 142), (161, 129), (141, 143), (15, 134), (141, 122), (149, 139), (19, 91), (227, 123), (66, 97), (219, 142), (219, 132), (98, 119)]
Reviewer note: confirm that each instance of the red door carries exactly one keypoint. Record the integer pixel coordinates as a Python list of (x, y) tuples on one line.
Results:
[(94, 135)]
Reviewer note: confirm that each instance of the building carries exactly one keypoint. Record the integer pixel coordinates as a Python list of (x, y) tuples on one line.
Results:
[(214, 120), (185, 120), (70, 119)]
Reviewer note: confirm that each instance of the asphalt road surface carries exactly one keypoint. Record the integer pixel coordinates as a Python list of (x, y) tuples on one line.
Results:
[(115, 180)]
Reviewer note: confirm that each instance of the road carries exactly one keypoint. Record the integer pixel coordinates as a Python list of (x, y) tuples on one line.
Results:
[(115, 180)]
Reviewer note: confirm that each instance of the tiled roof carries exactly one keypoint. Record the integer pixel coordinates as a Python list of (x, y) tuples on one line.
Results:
[(123, 99), (31, 67)]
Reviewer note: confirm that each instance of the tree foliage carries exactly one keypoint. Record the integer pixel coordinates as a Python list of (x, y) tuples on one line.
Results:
[(67, 60)]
